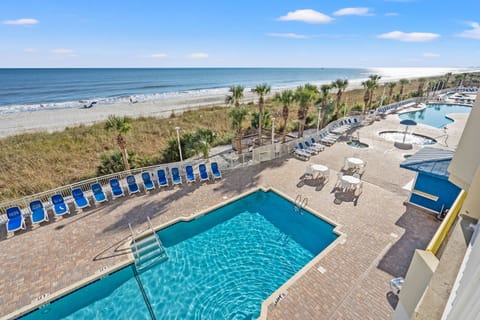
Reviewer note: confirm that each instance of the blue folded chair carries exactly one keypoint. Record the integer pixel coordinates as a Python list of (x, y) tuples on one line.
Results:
[(79, 198), (116, 188), (189, 174), (59, 206), (215, 171), (38, 212), (98, 193), (15, 219), (176, 178), (147, 181), (162, 178), (132, 184), (202, 169)]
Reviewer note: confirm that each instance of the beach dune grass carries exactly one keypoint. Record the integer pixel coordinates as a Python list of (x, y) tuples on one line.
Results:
[(35, 162)]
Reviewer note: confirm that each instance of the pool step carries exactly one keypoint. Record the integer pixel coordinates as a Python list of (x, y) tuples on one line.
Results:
[(148, 251)]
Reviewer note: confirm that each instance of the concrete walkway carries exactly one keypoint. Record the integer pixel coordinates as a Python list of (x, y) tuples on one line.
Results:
[(381, 233)]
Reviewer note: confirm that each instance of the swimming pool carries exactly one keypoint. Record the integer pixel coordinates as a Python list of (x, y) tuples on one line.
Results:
[(435, 114), (222, 265)]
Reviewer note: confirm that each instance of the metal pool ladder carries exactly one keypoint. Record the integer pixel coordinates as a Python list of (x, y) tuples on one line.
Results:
[(300, 203), (149, 250)]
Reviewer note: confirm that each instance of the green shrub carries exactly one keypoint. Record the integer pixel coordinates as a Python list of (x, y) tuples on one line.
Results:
[(112, 162)]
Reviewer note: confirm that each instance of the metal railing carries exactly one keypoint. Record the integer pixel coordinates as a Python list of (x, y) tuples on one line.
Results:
[(226, 161)]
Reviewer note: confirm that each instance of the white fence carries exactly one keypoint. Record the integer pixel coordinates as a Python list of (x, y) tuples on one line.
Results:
[(225, 161)]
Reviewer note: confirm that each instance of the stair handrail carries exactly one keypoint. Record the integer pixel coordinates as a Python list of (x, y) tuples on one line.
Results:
[(134, 242), (159, 242)]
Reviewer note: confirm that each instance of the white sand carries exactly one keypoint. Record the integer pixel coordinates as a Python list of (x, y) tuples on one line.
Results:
[(59, 119)]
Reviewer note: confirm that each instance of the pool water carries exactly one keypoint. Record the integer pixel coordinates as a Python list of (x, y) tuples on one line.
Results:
[(222, 265), (435, 114)]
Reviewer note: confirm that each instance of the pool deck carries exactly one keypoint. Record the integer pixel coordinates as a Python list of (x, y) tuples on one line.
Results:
[(381, 232)]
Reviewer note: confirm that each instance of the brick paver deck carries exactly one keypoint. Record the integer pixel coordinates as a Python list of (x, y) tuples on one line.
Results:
[(381, 233)]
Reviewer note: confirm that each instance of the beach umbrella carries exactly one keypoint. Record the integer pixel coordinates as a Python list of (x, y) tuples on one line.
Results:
[(407, 123)]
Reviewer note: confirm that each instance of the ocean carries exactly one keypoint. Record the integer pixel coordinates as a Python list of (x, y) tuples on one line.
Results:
[(25, 90)]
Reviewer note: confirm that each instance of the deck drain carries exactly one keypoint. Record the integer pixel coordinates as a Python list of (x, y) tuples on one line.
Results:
[(40, 297), (102, 269), (343, 241), (393, 235), (321, 269)]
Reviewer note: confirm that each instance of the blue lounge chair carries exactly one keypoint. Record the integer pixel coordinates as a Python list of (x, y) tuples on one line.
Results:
[(301, 153), (215, 171), (189, 174), (176, 178), (98, 193), (306, 149), (38, 212), (15, 219), (313, 147), (79, 198), (202, 169), (147, 181), (117, 190), (59, 206), (315, 143), (132, 184), (162, 178)]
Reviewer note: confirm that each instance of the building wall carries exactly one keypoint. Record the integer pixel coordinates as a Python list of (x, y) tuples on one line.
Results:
[(467, 156), (418, 276), (443, 189)]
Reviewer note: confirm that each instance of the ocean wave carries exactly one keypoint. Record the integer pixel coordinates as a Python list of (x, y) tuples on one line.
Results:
[(121, 99), (387, 74)]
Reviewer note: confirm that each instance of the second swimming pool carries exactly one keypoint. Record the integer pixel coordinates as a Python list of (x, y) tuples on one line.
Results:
[(222, 265), (435, 114)]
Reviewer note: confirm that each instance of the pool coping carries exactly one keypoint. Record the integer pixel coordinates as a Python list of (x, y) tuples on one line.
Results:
[(106, 271)]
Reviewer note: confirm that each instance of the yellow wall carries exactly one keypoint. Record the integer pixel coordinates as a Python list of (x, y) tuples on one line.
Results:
[(467, 156)]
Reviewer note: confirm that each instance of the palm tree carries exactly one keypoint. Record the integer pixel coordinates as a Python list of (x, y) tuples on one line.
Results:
[(261, 90), (373, 84), (391, 86), (430, 86), (121, 126), (421, 85), (403, 83), (458, 79), (238, 116), (324, 97), (341, 85), (236, 95), (367, 84), (304, 96), (447, 78), (286, 97)]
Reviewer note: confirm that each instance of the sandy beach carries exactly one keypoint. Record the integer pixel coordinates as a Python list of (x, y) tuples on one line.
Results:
[(59, 119)]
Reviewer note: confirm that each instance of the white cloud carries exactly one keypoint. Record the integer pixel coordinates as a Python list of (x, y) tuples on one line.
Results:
[(158, 55), (391, 14), (288, 35), (198, 55), (430, 55), (29, 50), (409, 36), (473, 33), (62, 51), (21, 22), (359, 11), (306, 15)]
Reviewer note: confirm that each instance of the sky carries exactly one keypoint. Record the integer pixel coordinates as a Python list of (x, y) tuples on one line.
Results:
[(248, 33)]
